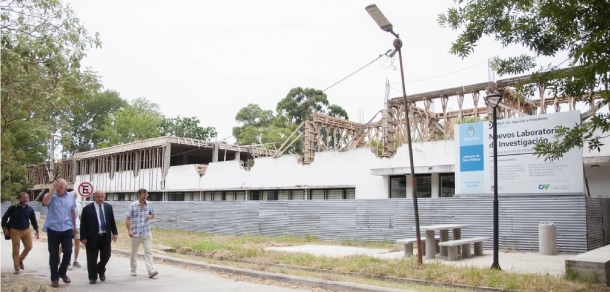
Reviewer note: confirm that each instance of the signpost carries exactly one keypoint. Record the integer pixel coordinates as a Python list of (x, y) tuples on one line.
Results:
[(520, 171), (85, 189)]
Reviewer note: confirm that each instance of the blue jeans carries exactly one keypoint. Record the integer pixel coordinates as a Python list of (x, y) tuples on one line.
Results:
[(54, 238)]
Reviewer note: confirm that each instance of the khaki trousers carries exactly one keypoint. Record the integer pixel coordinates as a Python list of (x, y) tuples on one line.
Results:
[(26, 237), (146, 242)]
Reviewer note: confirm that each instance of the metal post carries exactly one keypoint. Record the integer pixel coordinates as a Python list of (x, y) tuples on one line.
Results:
[(496, 263), (398, 46), (385, 25), (51, 173)]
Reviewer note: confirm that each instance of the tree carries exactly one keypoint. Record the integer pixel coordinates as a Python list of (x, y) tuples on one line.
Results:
[(21, 146), (546, 28), (260, 126), (83, 122), (186, 128), (300, 104), (254, 115), (140, 120), (337, 112), (42, 44)]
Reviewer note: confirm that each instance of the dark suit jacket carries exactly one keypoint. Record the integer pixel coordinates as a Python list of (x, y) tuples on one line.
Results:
[(90, 228)]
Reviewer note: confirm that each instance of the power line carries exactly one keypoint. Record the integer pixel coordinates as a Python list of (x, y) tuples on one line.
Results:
[(442, 75), (371, 62)]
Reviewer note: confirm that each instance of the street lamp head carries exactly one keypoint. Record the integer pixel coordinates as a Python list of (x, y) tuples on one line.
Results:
[(494, 99), (379, 18)]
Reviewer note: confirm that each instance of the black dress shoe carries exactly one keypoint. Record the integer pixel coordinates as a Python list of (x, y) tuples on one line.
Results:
[(102, 277), (65, 278), (92, 281), (55, 284)]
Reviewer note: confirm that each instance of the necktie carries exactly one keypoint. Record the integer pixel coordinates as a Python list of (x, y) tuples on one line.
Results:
[(102, 220)]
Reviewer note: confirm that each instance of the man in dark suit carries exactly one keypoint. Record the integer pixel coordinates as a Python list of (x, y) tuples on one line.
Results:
[(97, 222)]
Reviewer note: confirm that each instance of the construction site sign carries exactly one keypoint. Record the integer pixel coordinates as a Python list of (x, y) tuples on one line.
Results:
[(520, 170)]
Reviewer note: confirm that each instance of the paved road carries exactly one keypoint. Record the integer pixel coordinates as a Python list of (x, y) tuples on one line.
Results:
[(170, 278)]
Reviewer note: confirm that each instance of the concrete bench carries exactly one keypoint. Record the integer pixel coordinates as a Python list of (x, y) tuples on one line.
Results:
[(594, 263), (465, 244), (408, 242)]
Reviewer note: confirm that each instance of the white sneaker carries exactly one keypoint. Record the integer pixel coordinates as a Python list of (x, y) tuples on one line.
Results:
[(133, 273), (152, 273)]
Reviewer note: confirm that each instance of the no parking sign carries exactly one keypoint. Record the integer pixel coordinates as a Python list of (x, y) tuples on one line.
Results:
[(85, 189)]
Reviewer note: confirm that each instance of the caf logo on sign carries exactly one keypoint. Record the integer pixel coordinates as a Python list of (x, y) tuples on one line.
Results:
[(544, 186)]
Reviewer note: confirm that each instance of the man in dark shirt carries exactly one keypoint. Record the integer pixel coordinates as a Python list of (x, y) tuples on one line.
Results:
[(16, 227)]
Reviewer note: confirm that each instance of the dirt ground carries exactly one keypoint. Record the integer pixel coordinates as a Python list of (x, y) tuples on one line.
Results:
[(23, 283)]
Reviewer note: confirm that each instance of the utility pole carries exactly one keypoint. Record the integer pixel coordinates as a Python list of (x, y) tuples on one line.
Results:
[(51, 161)]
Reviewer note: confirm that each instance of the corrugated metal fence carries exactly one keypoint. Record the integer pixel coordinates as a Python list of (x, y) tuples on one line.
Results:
[(582, 223), (598, 222)]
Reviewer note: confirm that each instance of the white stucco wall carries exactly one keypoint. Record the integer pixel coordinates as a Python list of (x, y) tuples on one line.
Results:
[(598, 179), (123, 181), (349, 169), (182, 177)]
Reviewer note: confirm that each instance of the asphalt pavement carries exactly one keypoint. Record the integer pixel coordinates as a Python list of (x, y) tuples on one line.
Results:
[(184, 275), (170, 278)]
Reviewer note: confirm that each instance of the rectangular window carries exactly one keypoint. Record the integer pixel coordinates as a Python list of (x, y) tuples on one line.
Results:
[(207, 196), (447, 181), (350, 194), (155, 196), (317, 194), (271, 195), (424, 185), (175, 196), (334, 194), (398, 186), (217, 196), (284, 195), (298, 194), (255, 196), (193, 196), (240, 196), (229, 196)]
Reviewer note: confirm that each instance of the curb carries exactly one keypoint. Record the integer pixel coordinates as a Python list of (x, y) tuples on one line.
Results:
[(312, 282), (329, 285)]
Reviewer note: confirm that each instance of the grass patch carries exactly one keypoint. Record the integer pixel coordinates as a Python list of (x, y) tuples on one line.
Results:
[(251, 248)]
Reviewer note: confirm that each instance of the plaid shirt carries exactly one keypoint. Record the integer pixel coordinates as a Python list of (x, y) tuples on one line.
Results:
[(137, 216)]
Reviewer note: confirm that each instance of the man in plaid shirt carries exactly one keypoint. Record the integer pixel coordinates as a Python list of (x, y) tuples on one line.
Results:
[(138, 215)]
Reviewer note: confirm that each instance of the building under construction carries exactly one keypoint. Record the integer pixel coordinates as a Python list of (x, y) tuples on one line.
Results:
[(340, 159)]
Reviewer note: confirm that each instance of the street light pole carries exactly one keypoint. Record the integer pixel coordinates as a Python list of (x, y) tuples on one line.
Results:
[(385, 25), (494, 100)]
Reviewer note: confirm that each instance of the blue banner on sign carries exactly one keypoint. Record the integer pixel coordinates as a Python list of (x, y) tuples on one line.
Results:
[(471, 158)]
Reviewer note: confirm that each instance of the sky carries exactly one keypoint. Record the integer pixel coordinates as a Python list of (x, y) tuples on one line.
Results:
[(209, 59)]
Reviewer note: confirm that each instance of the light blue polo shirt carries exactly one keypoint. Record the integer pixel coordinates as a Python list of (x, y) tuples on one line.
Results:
[(59, 217)]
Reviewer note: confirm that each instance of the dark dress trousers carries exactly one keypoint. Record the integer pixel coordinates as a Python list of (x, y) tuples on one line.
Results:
[(97, 243)]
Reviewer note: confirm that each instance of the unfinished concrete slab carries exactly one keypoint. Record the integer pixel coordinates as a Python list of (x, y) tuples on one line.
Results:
[(595, 263)]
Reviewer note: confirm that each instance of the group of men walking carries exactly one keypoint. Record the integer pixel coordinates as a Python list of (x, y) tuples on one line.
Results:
[(95, 228)]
